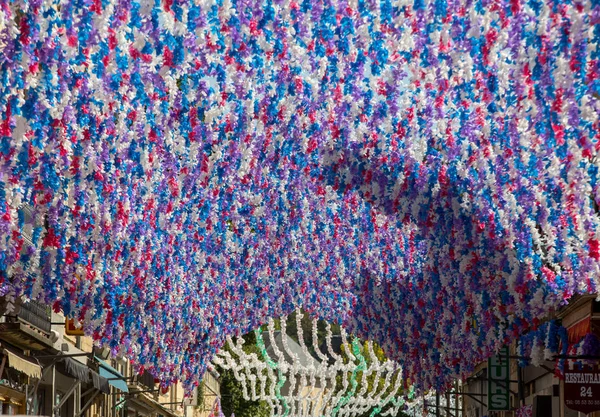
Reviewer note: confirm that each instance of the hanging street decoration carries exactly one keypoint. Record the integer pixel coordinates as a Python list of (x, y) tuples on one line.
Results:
[(176, 172), (524, 411), (216, 409), (307, 376)]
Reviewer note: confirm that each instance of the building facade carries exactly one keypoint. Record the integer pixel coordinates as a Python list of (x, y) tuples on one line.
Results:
[(45, 371), (541, 388)]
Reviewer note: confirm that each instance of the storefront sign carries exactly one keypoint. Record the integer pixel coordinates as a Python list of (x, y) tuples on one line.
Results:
[(498, 382), (582, 390), (73, 330)]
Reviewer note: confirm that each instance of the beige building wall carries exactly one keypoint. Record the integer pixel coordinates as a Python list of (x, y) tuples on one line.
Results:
[(210, 392), (103, 405)]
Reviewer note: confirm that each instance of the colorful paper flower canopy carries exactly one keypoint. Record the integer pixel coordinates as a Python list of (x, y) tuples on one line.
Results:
[(175, 172)]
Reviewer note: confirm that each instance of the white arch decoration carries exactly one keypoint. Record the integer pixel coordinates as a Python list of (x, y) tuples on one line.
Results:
[(294, 383)]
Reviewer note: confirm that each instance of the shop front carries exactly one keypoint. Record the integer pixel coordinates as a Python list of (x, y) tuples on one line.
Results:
[(18, 375), (580, 377)]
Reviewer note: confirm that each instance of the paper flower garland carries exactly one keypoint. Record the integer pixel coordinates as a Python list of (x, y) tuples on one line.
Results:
[(524, 411), (175, 172), (544, 343), (216, 410)]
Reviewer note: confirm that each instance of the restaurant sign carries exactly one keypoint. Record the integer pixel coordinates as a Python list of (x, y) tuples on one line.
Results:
[(582, 390)]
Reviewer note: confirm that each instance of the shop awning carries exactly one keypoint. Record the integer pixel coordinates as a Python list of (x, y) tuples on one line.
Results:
[(77, 370), (100, 383), (162, 410), (21, 364), (112, 375), (578, 330)]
